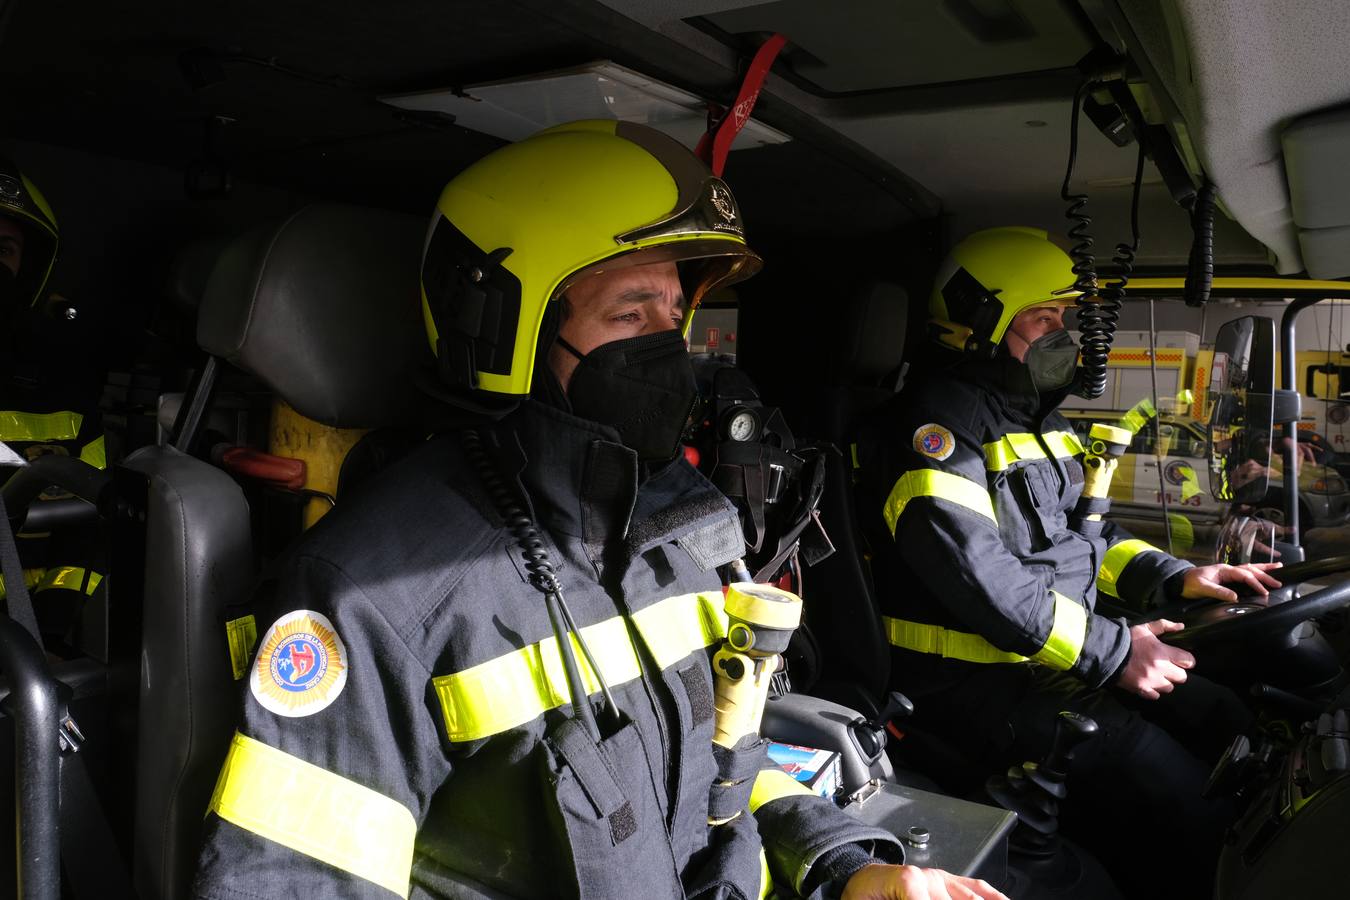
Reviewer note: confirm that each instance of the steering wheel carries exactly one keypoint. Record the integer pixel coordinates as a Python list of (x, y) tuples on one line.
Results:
[(1210, 622)]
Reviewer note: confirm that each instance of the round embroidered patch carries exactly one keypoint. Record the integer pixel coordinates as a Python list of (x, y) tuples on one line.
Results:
[(301, 666), (934, 441)]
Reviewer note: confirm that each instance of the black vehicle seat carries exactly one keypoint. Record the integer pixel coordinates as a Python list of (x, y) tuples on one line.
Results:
[(323, 308), (841, 603)]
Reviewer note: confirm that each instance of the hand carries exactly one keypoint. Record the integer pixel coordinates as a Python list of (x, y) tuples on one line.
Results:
[(882, 882), (1207, 581), (1154, 667)]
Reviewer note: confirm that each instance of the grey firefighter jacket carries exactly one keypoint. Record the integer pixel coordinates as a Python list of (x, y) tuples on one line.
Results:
[(448, 764), (968, 485)]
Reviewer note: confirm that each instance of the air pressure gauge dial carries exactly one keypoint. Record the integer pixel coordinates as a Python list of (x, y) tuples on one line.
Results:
[(741, 423)]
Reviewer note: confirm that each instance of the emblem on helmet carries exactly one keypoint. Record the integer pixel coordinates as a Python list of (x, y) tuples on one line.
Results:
[(722, 202)]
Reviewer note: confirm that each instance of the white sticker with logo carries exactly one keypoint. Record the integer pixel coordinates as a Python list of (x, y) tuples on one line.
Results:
[(301, 666), (934, 441)]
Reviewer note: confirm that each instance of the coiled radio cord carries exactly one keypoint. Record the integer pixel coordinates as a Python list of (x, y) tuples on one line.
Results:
[(545, 580)]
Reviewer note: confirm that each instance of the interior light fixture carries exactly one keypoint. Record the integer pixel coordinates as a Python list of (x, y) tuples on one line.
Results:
[(516, 108)]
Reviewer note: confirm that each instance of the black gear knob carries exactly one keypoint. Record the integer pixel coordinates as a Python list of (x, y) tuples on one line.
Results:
[(1071, 729)]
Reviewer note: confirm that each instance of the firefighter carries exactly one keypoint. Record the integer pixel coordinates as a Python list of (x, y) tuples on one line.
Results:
[(970, 481), (489, 675), (48, 404)]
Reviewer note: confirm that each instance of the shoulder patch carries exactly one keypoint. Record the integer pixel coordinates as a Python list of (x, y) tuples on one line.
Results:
[(301, 666), (934, 441)]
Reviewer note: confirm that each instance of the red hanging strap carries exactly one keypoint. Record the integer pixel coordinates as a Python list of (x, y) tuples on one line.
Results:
[(714, 146)]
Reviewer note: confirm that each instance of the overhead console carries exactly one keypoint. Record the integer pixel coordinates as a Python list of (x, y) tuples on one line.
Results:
[(1315, 150)]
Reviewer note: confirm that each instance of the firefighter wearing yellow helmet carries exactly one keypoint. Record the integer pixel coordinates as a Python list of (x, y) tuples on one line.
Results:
[(44, 409), (989, 561), (490, 675)]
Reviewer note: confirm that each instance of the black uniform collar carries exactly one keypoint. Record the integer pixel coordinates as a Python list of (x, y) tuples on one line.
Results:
[(1010, 380), (582, 482)]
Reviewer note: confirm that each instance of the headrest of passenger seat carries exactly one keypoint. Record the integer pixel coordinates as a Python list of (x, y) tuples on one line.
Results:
[(872, 337), (323, 307)]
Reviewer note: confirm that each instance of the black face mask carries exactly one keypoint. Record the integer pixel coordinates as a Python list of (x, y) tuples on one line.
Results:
[(643, 387)]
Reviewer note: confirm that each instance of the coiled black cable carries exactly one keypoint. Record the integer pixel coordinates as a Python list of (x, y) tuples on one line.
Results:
[(542, 577), (1096, 326), (1200, 267), (1107, 312)]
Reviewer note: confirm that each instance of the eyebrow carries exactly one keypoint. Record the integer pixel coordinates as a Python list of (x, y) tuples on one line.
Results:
[(643, 295)]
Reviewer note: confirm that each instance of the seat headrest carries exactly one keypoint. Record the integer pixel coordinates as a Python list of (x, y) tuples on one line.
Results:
[(872, 338), (323, 308)]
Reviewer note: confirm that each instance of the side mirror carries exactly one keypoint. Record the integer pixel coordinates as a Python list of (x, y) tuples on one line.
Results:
[(1242, 390)]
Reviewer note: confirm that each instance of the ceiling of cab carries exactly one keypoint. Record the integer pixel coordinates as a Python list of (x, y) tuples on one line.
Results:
[(954, 110), (869, 45), (970, 98)]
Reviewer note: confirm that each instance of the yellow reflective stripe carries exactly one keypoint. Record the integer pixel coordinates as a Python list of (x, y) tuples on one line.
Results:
[(1190, 484), (69, 578), (1065, 642), (31, 577), (677, 626), (242, 636), (1002, 453), (517, 687), (55, 426), (775, 784), (765, 876), (95, 453), (924, 638), (66, 578), (934, 483), (1138, 416), (1115, 561), (853, 454), (298, 805)]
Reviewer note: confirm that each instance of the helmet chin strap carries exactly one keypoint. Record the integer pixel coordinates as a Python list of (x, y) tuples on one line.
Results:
[(545, 386)]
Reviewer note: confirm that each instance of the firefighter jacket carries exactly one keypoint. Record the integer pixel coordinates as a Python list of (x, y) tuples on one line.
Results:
[(45, 410), (968, 488), (407, 728)]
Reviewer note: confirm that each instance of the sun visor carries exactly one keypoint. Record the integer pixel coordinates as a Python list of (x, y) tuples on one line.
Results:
[(1315, 150)]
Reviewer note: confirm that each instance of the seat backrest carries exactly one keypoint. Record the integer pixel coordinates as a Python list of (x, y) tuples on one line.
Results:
[(840, 601), (323, 308), (199, 559)]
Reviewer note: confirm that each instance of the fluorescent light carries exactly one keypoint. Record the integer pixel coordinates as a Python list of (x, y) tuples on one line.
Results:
[(518, 108)]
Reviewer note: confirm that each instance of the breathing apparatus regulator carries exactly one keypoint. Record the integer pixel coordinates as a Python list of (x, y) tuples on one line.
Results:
[(748, 451)]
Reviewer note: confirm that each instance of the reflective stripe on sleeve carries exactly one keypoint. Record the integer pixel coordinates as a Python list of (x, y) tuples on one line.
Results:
[(1002, 453), (934, 483), (765, 876), (1065, 642), (95, 453), (517, 687), (1060, 651), (312, 811), (1114, 563), (775, 784), (54, 426)]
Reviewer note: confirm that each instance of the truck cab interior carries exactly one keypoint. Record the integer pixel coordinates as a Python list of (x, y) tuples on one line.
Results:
[(243, 192)]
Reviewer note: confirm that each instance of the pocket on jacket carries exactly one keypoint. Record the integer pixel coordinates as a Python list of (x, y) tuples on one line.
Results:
[(604, 814)]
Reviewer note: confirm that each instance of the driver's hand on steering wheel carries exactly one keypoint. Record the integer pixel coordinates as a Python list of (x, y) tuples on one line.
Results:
[(1154, 668), (1208, 581)]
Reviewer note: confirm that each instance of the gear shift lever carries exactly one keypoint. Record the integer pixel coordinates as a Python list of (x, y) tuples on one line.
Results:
[(1033, 791)]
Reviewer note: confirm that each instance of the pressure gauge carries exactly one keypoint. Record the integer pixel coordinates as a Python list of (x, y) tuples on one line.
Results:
[(740, 423)]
